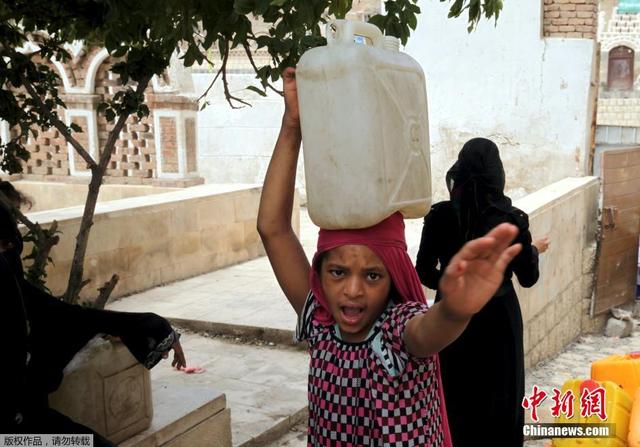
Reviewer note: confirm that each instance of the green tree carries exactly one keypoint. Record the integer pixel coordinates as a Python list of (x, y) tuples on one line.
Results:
[(143, 35)]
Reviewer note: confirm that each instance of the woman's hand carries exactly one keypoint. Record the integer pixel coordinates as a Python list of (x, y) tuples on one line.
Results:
[(291, 116), (476, 272), (542, 244), (179, 360)]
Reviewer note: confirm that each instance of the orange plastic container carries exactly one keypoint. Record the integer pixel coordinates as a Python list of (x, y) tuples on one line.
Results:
[(634, 422), (621, 369), (618, 408)]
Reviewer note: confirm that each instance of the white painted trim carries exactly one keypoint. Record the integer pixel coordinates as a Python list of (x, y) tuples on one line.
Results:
[(181, 141), (91, 131), (63, 75), (610, 43), (4, 135), (157, 133), (4, 131), (90, 79)]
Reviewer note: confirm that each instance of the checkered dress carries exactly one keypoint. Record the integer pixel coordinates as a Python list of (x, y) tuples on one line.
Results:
[(371, 393)]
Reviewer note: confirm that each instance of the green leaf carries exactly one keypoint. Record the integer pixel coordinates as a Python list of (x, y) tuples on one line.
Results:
[(120, 52), (256, 90), (243, 7), (110, 115), (455, 9)]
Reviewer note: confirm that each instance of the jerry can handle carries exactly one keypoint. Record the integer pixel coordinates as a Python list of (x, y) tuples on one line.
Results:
[(343, 31)]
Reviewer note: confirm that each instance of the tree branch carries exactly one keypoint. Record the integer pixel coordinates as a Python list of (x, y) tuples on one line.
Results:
[(206, 92), (255, 68), (59, 125), (105, 292), (225, 83), (105, 157)]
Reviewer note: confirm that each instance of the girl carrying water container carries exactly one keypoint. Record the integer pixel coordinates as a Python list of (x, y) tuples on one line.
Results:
[(374, 377)]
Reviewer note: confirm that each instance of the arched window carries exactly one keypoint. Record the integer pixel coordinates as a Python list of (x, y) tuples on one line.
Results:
[(620, 73)]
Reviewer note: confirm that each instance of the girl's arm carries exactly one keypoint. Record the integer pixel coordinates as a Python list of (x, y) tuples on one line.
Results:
[(469, 282), (283, 248)]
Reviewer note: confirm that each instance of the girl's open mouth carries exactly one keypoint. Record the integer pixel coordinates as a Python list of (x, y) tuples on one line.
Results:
[(352, 315)]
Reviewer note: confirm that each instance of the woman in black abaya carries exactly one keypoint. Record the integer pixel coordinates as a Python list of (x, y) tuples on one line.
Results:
[(483, 370), (41, 335)]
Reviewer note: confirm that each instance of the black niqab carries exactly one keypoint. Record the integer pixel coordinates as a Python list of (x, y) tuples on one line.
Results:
[(476, 183)]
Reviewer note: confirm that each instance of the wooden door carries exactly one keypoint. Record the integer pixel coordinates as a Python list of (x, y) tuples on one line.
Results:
[(620, 227), (620, 71)]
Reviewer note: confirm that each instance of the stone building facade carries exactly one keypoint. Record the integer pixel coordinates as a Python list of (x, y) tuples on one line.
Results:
[(619, 95), (160, 149)]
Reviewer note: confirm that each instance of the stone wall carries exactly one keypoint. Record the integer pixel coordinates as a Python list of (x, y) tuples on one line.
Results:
[(52, 195), (570, 18), (618, 31), (619, 112), (556, 310), (533, 96), (156, 239)]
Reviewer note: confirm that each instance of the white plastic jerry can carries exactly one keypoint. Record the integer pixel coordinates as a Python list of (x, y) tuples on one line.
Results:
[(365, 131)]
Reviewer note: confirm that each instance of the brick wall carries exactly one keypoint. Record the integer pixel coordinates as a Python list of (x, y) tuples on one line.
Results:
[(134, 160), (48, 153), (134, 156), (570, 18), (169, 147), (77, 67)]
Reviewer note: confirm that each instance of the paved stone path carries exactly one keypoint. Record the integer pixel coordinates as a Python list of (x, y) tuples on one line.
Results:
[(265, 385)]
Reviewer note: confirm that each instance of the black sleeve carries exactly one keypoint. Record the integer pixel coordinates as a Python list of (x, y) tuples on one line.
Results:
[(427, 258), (525, 265), (13, 333), (74, 325)]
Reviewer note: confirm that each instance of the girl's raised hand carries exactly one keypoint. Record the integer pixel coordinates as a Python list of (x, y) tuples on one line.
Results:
[(291, 116), (476, 271)]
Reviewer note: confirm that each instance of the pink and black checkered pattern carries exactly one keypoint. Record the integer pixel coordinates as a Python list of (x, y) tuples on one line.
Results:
[(371, 393)]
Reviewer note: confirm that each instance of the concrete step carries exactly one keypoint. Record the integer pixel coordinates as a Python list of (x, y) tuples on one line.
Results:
[(265, 386), (185, 416)]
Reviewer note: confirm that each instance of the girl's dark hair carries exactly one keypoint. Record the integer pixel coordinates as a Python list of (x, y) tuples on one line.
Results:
[(14, 195), (318, 266)]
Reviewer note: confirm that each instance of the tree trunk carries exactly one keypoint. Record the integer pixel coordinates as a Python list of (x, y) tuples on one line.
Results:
[(76, 282)]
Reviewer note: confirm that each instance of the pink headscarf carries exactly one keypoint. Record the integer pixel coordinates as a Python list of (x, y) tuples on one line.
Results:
[(386, 240)]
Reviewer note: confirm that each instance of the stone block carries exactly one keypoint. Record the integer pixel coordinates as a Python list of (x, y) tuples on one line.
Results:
[(618, 328), (186, 416), (107, 390)]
